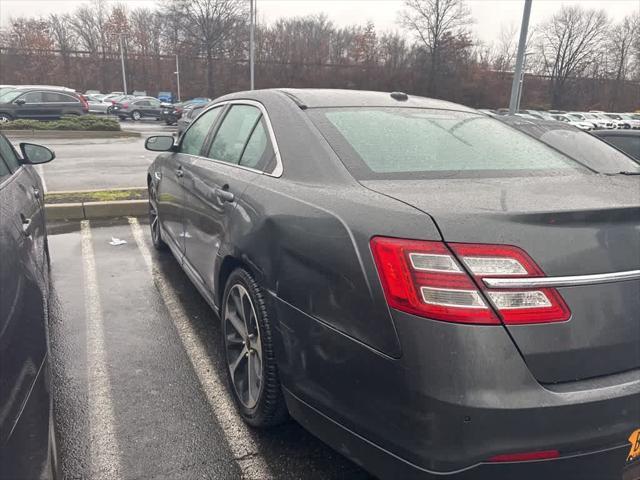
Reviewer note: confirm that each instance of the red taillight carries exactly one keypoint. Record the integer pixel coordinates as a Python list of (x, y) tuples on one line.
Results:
[(85, 104), (427, 279), (526, 456), (125, 105)]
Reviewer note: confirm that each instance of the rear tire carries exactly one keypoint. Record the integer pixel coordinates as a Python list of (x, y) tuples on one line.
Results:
[(248, 345), (5, 117), (154, 220)]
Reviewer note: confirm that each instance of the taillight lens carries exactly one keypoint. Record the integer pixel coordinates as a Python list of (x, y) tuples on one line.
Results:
[(125, 105), (83, 101), (428, 279)]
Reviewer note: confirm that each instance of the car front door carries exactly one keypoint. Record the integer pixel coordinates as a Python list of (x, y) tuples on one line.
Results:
[(23, 346), (235, 156), (30, 106), (170, 186)]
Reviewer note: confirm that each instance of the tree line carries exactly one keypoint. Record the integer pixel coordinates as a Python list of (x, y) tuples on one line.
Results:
[(576, 58)]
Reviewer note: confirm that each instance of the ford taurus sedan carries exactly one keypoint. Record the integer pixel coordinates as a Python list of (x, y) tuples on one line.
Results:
[(428, 290)]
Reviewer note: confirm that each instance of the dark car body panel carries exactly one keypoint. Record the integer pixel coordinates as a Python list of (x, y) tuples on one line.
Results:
[(25, 403), (407, 396), (628, 141)]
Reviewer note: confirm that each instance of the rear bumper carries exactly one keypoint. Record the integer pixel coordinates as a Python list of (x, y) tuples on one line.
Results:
[(458, 396), (604, 464)]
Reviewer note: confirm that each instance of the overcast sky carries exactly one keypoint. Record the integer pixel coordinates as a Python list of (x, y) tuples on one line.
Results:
[(490, 15)]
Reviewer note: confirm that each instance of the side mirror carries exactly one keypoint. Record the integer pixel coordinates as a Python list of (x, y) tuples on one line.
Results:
[(159, 143), (20, 101), (36, 154)]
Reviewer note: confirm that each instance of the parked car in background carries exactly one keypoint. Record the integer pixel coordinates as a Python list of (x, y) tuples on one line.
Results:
[(138, 108), (93, 92), (165, 97), (27, 439), (188, 115), (172, 113), (627, 141), (618, 119), (139, 93), (631, 119), (97, 105), (582, 125), (36, 103), (418, 284)]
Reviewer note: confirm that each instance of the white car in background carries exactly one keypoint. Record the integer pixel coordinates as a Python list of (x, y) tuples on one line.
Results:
[(593, 118), (582, 125), (97, 105)]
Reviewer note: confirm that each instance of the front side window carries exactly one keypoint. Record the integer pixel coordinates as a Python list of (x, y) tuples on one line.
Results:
[(234, 132), (8, 154), (193, 138), (32, 97), (53, 97), (383, 142)]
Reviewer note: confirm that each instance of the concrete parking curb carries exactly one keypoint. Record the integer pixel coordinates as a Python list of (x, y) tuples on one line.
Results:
[(95, 210), (68, 134)]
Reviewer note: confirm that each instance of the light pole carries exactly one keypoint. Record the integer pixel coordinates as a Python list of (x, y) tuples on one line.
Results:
[(177, 74), (252, 28), (520, 58), (124, 73), (521, 83)]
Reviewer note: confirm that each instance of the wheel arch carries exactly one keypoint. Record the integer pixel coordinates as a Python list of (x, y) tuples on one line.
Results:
[(228, 264)]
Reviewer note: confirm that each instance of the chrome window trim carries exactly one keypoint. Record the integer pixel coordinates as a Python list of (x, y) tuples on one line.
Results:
[(278, 169), (567, 281)]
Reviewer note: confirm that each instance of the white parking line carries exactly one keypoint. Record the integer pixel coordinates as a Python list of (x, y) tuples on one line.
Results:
[(242, 446), (104, 454)]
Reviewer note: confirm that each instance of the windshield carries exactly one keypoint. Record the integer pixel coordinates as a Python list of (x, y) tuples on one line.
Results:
[(411, 142)]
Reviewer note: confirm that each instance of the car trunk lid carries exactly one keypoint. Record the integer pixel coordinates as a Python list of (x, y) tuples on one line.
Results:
[(572, 225)]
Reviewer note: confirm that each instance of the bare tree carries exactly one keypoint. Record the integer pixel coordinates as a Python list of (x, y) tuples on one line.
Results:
[(569, 43), (621, 44), (209, 24), (433, 21)]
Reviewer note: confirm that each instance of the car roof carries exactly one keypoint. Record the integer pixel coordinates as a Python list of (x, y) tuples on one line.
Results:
[(318, 98)]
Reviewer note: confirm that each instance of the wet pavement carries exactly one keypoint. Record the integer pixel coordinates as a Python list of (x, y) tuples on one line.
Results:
[(138, 378), (100, 163)]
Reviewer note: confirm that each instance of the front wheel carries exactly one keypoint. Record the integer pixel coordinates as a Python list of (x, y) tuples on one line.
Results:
[(247, 340), (135, 115)]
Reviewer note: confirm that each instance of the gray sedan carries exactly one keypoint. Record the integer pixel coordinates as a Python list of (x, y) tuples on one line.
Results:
[(427, 289)]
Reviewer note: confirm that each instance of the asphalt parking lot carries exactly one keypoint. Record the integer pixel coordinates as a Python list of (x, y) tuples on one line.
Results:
[(138, 380), (100, 163)]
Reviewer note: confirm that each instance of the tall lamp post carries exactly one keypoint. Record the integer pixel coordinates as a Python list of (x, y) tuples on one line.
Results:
[(177, 74), (521, 83), (252, 28), (513, 103)]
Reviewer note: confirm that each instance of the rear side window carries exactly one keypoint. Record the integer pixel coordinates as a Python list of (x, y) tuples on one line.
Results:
[(142, 103), (412, 142), (53, 97), (8, 154), (258, 151), (193, 138), (234, 132)]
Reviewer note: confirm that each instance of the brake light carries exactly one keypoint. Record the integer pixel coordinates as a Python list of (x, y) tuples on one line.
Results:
[(125, 105), (85, 104), (427, 278)]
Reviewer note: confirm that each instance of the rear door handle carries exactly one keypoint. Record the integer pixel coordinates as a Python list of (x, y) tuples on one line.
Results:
[(179, 172), (36, 192), (225, 195)]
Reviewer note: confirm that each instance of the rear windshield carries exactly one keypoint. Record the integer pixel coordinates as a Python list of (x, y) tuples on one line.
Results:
[(427, 143)]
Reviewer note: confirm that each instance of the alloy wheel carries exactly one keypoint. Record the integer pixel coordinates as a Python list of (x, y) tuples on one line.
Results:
[(4, 119), (243, 346), (135, 115)]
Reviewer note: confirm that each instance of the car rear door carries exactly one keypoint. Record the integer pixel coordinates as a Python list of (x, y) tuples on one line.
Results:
[(236, 155), (154, 108), (171, 186), (23, 344)]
